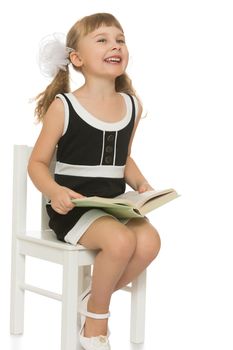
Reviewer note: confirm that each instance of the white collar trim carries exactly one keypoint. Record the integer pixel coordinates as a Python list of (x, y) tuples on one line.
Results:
[(97, 123)]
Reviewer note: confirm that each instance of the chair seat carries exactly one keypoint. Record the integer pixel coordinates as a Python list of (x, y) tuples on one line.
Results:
[(49, 239)]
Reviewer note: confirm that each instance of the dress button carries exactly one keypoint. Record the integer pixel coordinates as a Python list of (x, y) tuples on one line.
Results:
[(110, 137), (108, 149), (108, 159)]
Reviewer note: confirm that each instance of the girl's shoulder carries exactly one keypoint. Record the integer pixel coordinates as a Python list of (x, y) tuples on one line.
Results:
[(54, 117), (138, 106)]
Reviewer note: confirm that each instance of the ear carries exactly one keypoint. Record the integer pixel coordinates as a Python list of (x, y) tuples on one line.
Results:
[(76, 59)]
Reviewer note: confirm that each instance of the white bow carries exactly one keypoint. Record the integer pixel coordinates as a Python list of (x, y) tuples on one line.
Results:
[(53, 54)]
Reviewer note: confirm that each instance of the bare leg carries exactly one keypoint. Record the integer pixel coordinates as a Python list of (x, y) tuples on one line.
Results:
[(147, 248), (126, 251), (118, 244)]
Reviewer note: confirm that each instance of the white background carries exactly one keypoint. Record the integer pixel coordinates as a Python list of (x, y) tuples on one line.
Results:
[(181, 61)]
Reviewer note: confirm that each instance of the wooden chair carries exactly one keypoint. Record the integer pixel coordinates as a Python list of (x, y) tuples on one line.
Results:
[(75, 260)]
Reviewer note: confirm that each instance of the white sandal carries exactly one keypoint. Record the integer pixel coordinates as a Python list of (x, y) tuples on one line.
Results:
[(81, 297), (100, 342)]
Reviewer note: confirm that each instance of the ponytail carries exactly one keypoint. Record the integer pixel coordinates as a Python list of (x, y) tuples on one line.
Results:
[(60, 84), (123, 83)]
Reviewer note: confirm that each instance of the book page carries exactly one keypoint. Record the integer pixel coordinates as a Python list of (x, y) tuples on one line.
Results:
[(157, 202), (100, 202), (138, 199)]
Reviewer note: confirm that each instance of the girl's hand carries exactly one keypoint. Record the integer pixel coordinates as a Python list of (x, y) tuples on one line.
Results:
[(145, 187), (61, 200)]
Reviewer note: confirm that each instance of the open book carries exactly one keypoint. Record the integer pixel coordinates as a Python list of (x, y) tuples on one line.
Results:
[(130, 204)]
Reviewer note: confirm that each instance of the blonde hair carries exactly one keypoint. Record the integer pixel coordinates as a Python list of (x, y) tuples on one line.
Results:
[(61, 82)]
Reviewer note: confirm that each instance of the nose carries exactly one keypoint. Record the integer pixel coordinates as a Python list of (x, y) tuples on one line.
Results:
[(116, 46)]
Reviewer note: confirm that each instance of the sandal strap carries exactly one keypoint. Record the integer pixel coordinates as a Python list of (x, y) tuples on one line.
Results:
[(93, 315)]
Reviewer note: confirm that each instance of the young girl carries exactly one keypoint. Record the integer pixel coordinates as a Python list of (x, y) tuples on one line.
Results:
[(93, 129)]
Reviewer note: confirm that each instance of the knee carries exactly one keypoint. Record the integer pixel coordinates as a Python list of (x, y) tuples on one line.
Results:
[(122, 245), (148, 245)]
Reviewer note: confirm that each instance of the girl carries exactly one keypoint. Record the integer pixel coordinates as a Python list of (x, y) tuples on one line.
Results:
[(93, 129)]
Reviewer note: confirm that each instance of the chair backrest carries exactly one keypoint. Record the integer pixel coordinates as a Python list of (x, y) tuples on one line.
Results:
[(20, 181), (20, 162)]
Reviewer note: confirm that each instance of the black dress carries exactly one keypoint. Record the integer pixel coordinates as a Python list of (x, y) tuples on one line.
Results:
[(91, 158)]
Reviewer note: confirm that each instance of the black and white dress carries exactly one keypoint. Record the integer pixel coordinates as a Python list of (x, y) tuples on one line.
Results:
[(91, 158)]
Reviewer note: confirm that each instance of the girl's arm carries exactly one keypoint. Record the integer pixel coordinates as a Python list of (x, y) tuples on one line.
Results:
[(133, 176), (38, 167)]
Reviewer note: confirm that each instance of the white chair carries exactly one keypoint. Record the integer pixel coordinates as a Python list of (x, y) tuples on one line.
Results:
[(75, 260)]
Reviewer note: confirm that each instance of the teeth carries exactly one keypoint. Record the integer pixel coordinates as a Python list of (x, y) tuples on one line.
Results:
[(113, 59)]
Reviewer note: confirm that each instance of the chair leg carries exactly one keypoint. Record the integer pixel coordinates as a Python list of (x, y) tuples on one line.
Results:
[(80, 279), (17, 293), (69, 329), (84, 276), (87, 275), (138, 309)]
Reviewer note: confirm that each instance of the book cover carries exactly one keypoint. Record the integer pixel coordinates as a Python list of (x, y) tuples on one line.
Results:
[(130, 204)]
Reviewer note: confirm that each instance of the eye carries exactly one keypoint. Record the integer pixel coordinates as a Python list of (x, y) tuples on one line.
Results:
[(121, 41), (101, 40)]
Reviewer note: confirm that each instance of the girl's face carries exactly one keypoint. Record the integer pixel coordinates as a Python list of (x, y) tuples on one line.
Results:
[(102, 52)]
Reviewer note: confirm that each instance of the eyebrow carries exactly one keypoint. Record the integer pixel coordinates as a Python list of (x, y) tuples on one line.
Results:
[(105, 33)]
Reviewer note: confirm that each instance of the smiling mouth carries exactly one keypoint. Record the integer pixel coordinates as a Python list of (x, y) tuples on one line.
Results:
[(113, 60)]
